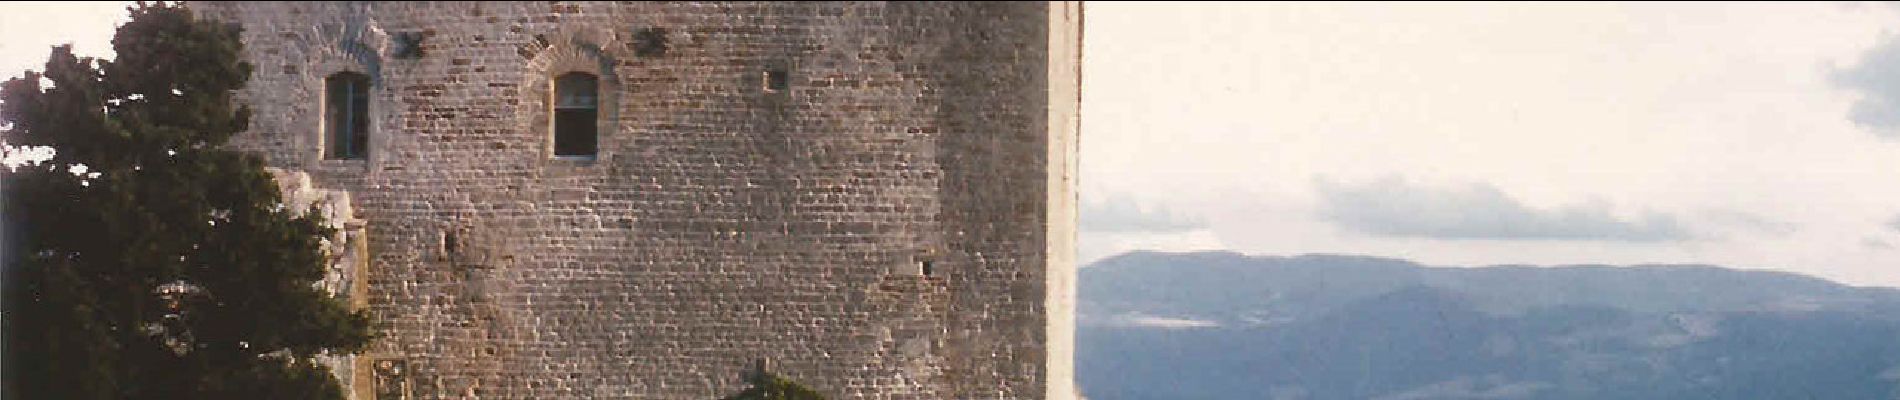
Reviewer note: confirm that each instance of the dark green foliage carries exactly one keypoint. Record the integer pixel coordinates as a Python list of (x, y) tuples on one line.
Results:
[(768, 386), (171, 270)]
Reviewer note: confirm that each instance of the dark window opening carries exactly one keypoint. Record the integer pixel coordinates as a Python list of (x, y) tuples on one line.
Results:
[(451, 242), (927, 268), (650, 42), (576, 115), (346, 116), (776, 80), (408, 45)]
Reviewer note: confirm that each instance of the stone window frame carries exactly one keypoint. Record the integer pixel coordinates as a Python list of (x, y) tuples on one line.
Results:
[(347, 55), (327, 134), (319, 137), (562, 57)]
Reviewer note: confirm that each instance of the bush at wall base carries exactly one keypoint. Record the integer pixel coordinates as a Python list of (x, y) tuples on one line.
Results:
[(768, 386)]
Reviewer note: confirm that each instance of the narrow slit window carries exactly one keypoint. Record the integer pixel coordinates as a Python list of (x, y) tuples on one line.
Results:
[(346, 116), (576, 115)]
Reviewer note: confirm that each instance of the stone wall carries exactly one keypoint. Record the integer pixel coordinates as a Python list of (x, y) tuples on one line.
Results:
[(347, 250), (880, 229)]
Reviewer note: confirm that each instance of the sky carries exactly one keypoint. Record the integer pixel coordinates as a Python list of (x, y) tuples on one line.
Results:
[(1750, 135), (1757, 135), (29, 29)]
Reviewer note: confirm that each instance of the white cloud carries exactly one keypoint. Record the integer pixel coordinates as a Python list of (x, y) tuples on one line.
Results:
[(1139, 320), (1123, 214), (1732, 220), (1394, 207)]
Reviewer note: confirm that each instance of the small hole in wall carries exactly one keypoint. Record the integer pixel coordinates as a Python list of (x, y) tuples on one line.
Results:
[(650, 42), (406, 45), (776, 80), (451, 242), (927, 267)]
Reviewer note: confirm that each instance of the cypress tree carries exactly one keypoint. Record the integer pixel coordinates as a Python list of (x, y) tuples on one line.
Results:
[(145, 260)]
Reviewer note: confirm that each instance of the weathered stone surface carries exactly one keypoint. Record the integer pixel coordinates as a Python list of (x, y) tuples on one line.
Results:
[(347, 249), (721, 223)]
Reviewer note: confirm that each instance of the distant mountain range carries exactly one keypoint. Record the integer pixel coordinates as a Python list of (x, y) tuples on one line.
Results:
[(1218, 325)]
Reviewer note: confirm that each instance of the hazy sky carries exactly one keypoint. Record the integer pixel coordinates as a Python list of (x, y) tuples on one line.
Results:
[(1749, 135), (29, 29)]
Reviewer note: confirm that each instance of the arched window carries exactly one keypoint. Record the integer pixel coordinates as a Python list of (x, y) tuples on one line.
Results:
[(576, 115), (346, 116)]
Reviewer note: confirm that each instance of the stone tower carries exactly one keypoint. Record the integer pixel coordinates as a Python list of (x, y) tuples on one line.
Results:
[(653, 200)]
